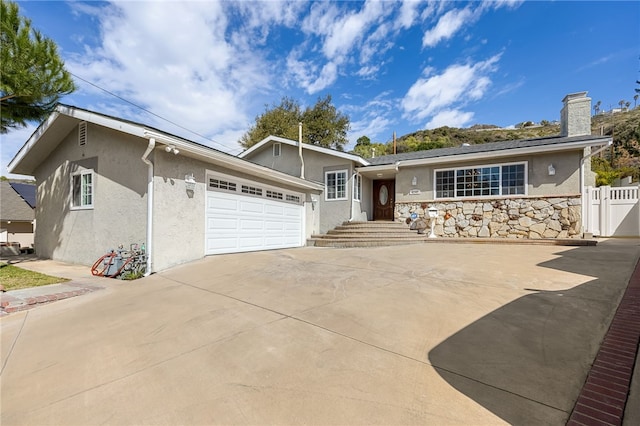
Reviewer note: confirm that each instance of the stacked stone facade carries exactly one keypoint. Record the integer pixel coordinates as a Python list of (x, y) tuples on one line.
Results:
[(557, 217)]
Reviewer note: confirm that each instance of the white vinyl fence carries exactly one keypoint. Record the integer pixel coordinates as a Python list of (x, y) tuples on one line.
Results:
[(612, 212)]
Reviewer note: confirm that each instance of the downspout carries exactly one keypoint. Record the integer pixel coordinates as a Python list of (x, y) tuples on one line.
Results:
[(353, 176), (583, 201), (149, 247), (300, 150)]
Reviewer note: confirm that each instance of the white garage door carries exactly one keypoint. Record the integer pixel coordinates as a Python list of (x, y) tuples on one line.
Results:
[(244, 216)]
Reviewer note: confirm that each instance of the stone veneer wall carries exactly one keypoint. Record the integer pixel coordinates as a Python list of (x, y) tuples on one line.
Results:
[(557, 217)]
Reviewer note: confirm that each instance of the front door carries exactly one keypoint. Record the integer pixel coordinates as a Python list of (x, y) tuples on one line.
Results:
[(383, 193)]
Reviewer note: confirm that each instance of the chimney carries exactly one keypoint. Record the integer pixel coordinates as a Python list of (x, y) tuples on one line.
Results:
[(575, 117)]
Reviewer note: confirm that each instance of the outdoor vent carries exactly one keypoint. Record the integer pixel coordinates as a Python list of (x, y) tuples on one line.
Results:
[(82, 133), (276, 149)]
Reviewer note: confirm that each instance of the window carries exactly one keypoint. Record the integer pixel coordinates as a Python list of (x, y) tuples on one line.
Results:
[(246, 189), (493, 180), (82, 190), (222, 184), (274, 194), (293, 198), (336, 185), (357, 187), (276, 149)]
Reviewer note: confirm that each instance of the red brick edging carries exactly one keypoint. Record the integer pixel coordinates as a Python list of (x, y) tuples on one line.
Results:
[(604, 395), (10, 304)]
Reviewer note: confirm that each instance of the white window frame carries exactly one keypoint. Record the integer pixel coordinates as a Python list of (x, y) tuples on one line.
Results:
[(345, 187), (481, 166), (277, 149), (80, 175), (357, 187)]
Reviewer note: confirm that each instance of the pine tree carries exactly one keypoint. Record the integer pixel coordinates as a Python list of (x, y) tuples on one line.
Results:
[(32, 74)]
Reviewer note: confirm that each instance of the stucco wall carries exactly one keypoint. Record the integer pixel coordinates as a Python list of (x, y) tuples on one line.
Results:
[(566, 181), (119, 213), (332, 212), (179, 216)]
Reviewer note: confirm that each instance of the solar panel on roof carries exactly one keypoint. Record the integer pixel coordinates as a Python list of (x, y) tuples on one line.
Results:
[(26, 191)]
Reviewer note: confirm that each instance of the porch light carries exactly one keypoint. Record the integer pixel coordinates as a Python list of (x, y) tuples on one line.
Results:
[(190, 182), (552, 170), (414, 181), (171, 148)]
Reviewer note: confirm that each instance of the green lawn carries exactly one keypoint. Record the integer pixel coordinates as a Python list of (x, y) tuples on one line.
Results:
[(14, 278)]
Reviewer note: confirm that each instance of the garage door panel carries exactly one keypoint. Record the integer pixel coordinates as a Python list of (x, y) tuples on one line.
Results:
[(222, 204), (251, 207), (250, 225), (221, 223), (222, 243), (274, 210), (241, 223)]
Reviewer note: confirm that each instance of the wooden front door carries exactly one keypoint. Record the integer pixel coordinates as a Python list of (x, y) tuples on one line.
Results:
[(383, 193)]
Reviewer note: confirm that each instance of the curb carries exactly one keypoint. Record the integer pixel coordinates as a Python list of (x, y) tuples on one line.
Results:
[(10, 304), (603, 397)]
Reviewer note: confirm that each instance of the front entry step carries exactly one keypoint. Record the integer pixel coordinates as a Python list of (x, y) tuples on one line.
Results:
[(368, 234)]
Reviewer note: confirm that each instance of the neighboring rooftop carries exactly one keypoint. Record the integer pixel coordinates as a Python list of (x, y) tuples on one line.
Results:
[(13, 207)]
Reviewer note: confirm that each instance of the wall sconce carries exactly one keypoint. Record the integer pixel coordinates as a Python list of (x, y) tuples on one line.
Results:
[(171, 148), (414, 181), (190, 182), (552, 170)]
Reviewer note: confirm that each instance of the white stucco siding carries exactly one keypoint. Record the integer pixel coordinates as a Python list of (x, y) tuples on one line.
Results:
[(119, 191), (178, 216)]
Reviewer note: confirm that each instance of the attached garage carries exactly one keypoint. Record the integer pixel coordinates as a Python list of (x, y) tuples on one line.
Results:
[(243, 215)]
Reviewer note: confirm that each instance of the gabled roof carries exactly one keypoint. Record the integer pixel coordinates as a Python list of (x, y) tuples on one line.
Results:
[(13, 207), (491, 150), (305, 146), (53, 130)]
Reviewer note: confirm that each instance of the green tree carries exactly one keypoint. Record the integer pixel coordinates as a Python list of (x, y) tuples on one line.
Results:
[(322, 124), (32, 74), (279, 120)]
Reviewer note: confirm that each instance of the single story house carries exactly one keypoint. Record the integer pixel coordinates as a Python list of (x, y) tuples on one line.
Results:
[(516, 189), (103, 182), (17, 216)]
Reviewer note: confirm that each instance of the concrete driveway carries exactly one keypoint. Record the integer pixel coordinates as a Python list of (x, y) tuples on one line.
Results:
[(422, 334)]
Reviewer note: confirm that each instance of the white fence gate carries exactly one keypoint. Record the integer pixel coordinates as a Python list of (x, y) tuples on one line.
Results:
[(612, 212)]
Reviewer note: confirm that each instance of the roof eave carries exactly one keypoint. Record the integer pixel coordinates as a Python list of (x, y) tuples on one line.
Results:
[(232, 162), (566, 146), (265, 141)]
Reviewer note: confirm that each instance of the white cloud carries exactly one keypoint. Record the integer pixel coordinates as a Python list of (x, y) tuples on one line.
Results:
[(409, 12), (447, 26), (327, 77), (308, 75), (456, 85), (451, 118), (181, 61)]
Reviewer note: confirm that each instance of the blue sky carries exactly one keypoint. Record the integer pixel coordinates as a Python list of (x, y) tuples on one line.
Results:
[(401, 66)]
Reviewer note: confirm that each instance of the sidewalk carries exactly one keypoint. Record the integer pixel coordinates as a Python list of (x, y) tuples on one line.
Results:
[(82, 282)]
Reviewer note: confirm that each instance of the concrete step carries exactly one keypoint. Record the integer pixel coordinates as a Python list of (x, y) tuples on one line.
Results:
[(367, 234)]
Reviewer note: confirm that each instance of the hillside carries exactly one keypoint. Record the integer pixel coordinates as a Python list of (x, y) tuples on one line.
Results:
[(623, 160)]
